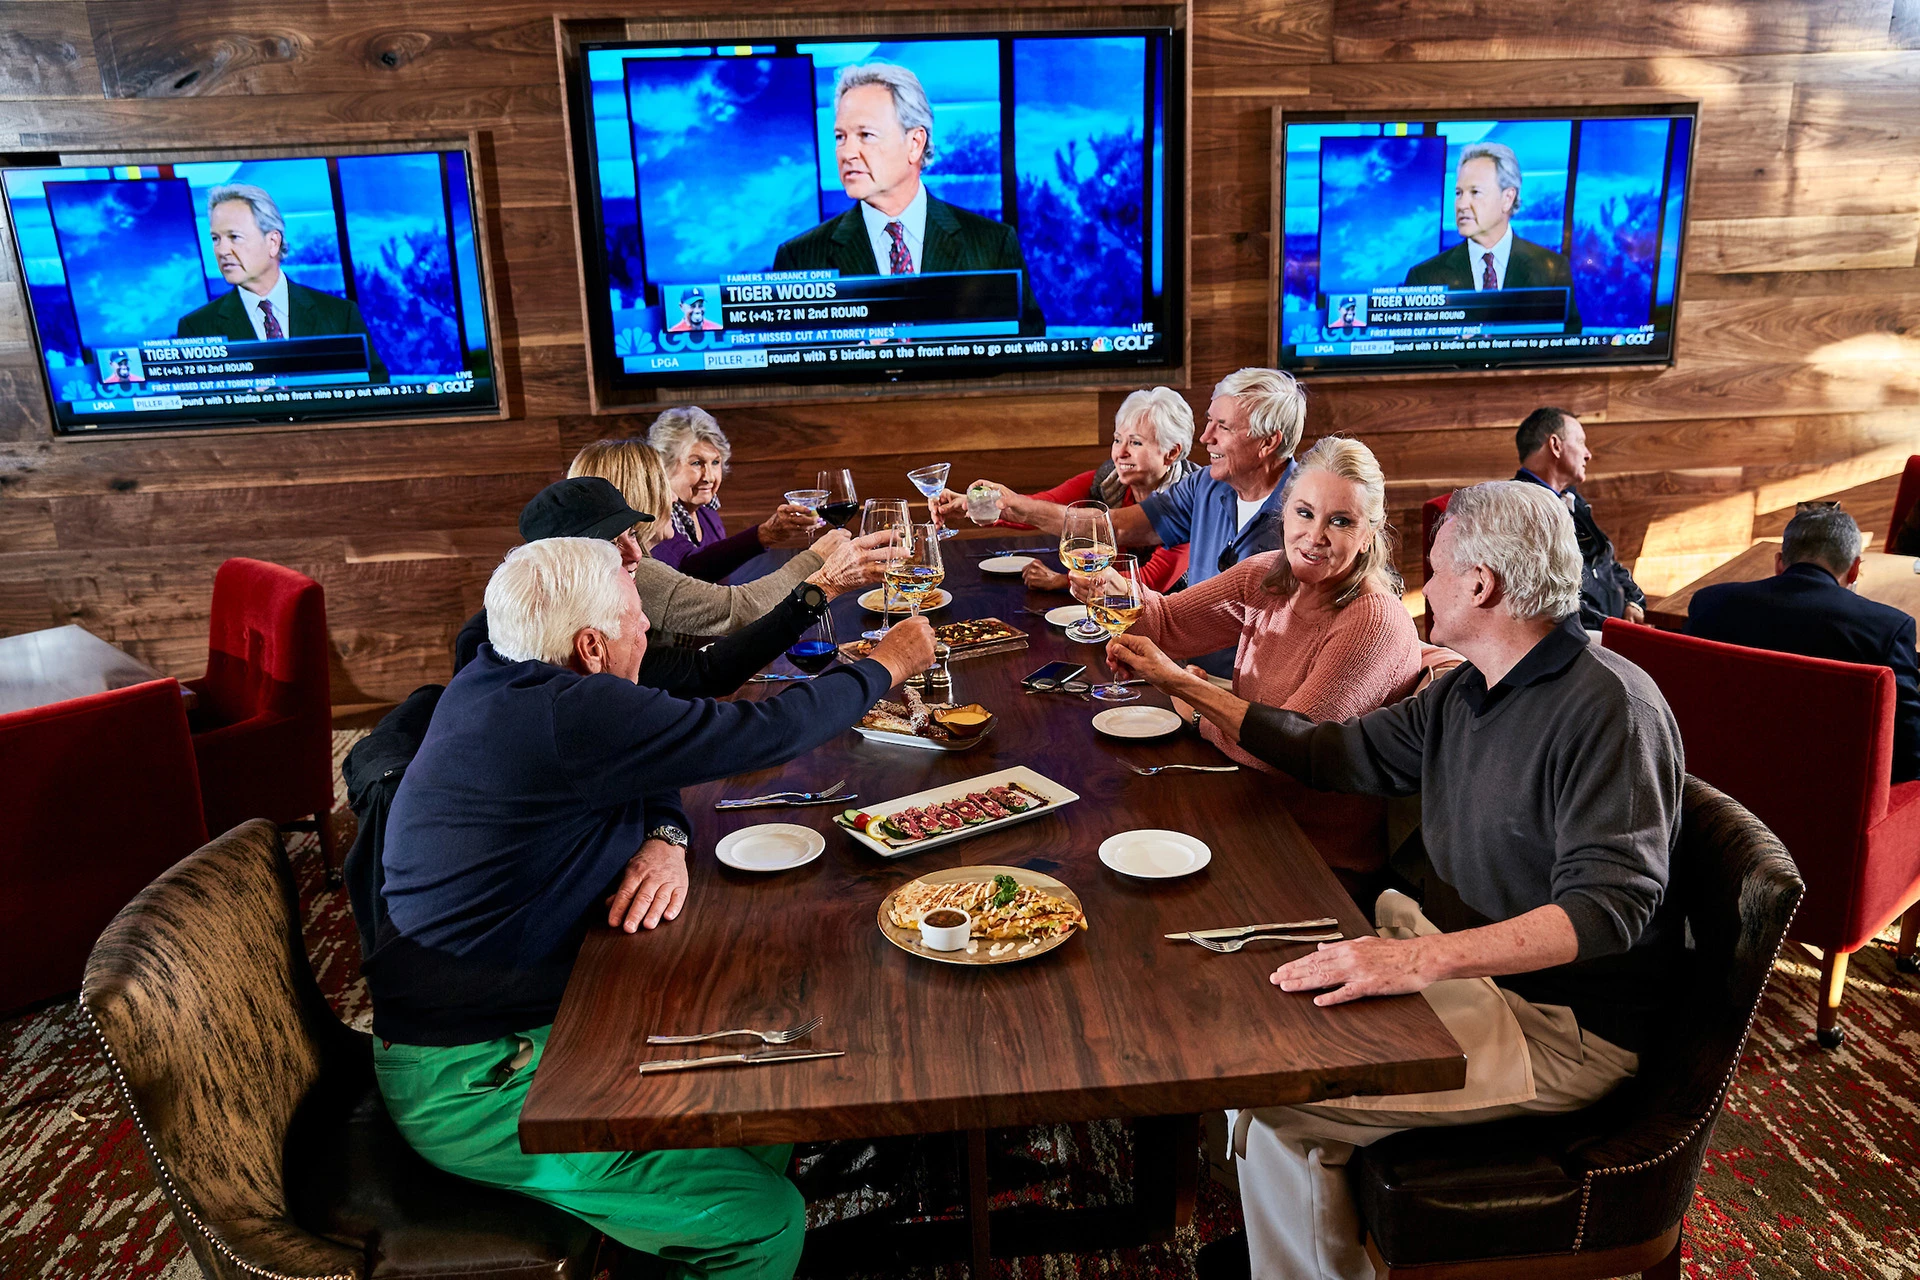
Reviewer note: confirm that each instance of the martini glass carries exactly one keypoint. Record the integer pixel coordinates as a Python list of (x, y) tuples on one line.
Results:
[(930, 481)]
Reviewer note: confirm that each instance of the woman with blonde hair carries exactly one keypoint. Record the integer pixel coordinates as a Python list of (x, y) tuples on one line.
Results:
[(1321, 631), (681, 605), (695, 453)]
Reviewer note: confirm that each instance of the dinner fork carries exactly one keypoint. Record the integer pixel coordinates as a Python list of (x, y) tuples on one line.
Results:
[(784, 797), (1227, 946), (1149, 771), (788, 1036)]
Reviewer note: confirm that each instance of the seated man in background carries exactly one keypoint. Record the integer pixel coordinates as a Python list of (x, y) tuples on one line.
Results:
[(1549, 775), (1807, 608), (1553, 452), (545, 792)]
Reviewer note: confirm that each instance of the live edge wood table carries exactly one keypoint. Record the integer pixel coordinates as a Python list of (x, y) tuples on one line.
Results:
[(1119, 1022)]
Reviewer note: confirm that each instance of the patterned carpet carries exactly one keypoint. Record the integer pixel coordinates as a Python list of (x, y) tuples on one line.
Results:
[(1812, 1170)]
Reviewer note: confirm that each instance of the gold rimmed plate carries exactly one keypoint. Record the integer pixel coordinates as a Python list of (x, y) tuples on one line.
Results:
[(908, 940)]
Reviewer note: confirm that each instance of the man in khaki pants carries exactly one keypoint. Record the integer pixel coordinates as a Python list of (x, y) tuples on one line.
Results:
[(1549, 772)]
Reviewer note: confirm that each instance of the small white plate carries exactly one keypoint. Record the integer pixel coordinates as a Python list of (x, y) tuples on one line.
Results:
[(1136, 722), (1066, 615), (938, 598), (771, 846), (1010, 564), (1154, 855)]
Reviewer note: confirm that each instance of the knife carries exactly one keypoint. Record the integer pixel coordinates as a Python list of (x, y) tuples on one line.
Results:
[(1014, 551), (1324, 922), (756, 1058), (788, 804)]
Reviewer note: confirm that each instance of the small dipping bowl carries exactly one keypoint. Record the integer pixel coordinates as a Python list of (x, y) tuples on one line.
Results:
[(969, 721), (945, 929)]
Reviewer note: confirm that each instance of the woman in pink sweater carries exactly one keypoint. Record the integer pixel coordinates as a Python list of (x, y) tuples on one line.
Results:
[(1321, 631)]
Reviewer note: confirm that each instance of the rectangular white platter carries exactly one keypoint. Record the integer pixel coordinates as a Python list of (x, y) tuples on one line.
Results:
[(1052, 792)]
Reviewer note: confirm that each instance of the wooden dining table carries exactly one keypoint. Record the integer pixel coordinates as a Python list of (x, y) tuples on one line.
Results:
[(39, 668), (1889, 579), (1119, 1022)]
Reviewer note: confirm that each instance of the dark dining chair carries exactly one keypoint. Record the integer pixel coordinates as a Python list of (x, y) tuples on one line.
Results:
[(264, 730), (1903, 499), (258, 1107), (1603, 1191), (101, 796)]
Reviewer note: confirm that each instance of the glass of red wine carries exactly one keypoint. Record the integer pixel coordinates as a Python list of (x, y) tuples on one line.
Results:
[(815, 650), (842, 501)]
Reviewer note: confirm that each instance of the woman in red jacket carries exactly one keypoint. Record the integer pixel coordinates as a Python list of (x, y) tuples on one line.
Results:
[(1152, 436)]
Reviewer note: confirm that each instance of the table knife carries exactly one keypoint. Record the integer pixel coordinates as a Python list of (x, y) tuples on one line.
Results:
[(757, 1058), (1325, 922)]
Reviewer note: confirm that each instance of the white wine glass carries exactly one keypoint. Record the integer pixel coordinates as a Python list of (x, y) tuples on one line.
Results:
[(1086, 546), (1114, 599), (880, 515), (931, 481), (920, 570), (842, 500)]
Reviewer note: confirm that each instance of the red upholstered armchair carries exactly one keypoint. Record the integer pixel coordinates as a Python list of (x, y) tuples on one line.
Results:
[(102, 797), (1807, 745), (1903, 499), (1430, 512), (263, 731)]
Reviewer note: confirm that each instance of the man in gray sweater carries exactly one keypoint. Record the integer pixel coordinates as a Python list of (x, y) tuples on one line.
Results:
[(1549, 773)]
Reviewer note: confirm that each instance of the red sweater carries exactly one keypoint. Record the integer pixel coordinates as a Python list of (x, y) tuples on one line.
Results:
[(1165, 567)]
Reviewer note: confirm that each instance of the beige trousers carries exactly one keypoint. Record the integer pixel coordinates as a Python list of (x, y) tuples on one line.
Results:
[(1290, 1162)]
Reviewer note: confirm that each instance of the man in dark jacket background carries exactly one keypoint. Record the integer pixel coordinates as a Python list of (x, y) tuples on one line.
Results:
[(1553, 452), (1807, 608)]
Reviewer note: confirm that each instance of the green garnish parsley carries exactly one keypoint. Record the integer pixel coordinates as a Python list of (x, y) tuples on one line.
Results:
[(1004, 890)]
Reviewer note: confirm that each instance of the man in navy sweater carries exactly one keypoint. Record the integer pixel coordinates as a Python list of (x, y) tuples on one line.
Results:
[(545, 792), (1806, 608)]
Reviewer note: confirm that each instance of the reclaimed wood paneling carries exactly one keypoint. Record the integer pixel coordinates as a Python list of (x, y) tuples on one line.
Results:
[(1798, 374)]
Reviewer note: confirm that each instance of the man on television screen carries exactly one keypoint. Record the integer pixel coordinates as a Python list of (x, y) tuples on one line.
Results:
[(1486, 195), (249, 240), (693, 313), (883, 140)]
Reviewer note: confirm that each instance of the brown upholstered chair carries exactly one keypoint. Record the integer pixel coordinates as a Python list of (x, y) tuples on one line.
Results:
[(1603, 1191), (259, 1109)]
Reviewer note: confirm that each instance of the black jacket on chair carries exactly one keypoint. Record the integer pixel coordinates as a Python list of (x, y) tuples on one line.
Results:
[(1806, 611), (1606, 588)]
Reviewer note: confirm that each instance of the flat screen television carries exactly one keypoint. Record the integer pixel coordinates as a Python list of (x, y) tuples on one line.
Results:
[(271, 289), (1499, 240), (738, 209)]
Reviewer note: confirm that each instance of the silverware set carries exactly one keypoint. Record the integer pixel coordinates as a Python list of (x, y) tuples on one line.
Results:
[(753, 1057), (1147, 771), (1227, 941), (831, 795), (774, 677), (1014, 551)]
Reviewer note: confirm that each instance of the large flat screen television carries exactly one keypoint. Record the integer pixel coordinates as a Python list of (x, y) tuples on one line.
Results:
[(1496, 240), (747, 223), (271, 289)]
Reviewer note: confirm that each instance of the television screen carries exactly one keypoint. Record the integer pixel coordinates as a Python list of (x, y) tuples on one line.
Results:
[(759, 214), (1477, 242), (313, 288)]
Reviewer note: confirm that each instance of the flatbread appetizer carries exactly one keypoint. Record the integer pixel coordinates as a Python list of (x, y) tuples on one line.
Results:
[(1001, 908)]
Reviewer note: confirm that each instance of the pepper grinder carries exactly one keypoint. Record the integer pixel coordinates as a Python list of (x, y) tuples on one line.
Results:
[(939, 675)]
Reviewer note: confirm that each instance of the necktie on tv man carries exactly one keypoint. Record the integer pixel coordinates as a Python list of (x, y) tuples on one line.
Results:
[(273, 322), (899, 259), (1489, 279)]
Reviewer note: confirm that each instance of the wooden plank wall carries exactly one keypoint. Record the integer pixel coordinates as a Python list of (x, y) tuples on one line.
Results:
[(1799, 374)]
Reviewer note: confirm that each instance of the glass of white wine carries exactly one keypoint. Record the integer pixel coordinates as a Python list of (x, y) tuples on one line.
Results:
[(880, 515), (920, 570), (1115, 600), (1086, 546)]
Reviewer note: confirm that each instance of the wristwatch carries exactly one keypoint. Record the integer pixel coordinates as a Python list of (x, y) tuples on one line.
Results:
[(671, 834), (810, 596)]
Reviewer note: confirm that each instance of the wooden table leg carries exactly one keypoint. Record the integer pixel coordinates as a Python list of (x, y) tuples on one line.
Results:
[(1166, 1172), (979, 1219)]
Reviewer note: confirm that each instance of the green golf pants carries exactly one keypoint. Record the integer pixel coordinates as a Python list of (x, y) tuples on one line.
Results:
[(723, 1211)]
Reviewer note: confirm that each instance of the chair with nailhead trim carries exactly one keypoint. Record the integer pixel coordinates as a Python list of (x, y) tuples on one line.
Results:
[(1602, 1191), (258, 1107)]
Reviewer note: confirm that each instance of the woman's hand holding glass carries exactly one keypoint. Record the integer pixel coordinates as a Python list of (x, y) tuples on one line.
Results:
[(1141, 659), (790, 525), (853, 562)]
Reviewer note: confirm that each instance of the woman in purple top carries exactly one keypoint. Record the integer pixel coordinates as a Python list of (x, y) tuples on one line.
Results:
[(695, 452)]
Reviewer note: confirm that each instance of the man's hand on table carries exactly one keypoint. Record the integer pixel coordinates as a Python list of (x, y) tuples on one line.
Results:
[(653, 887), (1356, 968), (1040, 578), (1636, 614), (906, 650)]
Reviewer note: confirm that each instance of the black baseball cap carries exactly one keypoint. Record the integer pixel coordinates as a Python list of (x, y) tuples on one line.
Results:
[(579, 507)]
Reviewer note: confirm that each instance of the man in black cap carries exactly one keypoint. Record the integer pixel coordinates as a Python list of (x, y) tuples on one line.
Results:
[(591, 507)]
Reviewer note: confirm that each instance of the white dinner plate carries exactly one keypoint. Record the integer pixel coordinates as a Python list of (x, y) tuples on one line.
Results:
[(1154, 855), (938, 598), (1006, 564), (771, 846), (1136, 722), (1066, 615)]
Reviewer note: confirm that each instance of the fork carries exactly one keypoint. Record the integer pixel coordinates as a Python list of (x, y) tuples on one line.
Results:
[(788, 1036), (784, 797), (1227, 946), (1149, 771)]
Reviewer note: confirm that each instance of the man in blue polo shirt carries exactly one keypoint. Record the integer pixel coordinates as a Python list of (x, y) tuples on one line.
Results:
[(1227, 512)]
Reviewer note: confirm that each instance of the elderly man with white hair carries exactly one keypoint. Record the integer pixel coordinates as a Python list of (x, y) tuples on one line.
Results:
[(1549, 773), (543, 798), (883, 144)]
